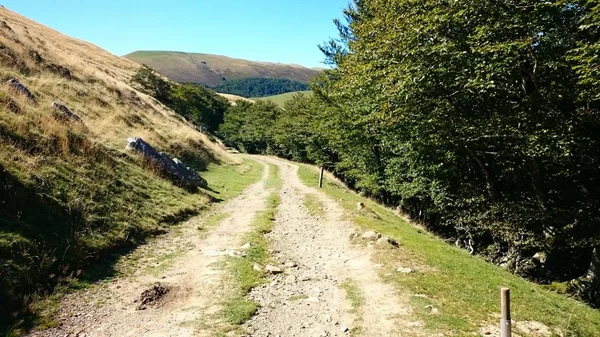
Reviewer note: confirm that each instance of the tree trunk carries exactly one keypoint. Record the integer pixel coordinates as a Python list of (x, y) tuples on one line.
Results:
[(593, 274)]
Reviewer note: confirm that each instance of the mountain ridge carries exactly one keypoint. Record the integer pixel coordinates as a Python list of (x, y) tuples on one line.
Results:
[(211, 69)]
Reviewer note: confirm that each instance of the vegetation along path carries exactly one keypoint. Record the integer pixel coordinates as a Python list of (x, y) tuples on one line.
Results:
[(286, 259), (166, 299)]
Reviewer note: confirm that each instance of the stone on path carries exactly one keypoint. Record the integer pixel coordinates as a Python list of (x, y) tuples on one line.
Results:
[(273, 270)]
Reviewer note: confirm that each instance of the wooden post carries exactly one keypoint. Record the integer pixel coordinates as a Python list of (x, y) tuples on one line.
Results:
[(321, 178), (505, 324)]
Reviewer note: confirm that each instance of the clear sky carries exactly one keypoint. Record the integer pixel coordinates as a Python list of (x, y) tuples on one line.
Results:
[(285, 31)]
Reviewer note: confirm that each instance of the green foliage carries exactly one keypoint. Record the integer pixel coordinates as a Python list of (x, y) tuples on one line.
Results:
[(153, 84), (249, 126), (479, 119), (259, 87), (201, 106)]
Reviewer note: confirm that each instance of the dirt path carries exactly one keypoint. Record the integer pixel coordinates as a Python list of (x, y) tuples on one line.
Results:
[(329, 285), (184, 263), (335, 289)]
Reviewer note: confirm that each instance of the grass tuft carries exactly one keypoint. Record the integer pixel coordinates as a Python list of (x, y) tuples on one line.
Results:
[(237, 309)]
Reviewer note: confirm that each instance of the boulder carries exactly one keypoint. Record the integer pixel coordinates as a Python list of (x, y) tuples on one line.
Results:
[(21, 89), (64, 112), (174, 168), (370, 236), (385, 240)]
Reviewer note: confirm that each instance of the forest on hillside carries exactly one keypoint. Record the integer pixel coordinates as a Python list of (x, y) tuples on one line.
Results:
[(478, 119), (259, 87)]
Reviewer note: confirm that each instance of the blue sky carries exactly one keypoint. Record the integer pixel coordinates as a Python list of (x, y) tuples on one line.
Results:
[(286, 31)]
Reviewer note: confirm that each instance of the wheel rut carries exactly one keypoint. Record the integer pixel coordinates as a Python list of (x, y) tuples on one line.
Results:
[(334, 289), (194, 284)]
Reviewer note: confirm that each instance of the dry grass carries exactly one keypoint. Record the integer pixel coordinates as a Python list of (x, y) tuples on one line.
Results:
[(99, 91), (211, 69), (70, 194)]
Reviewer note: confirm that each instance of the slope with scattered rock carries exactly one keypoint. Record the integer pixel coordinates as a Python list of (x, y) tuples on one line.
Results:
[(70, 193)]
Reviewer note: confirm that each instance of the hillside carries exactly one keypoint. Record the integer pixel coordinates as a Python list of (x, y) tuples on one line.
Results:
[(282, 98), (70, 193), (213, 69)]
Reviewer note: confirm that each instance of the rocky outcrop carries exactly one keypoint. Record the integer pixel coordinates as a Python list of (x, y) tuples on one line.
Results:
[(63, 113), (174, 168), (20, 89)]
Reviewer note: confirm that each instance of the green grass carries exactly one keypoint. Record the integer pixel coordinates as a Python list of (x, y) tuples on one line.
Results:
[(464, 288), (282, 98), (353, 294), (227, 181), (237, 309), (314, 205)]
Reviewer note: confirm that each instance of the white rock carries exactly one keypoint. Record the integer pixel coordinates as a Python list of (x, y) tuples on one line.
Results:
[(404, 270), (246, 246), (273, 270), (290, 264), (256, 267), (370, 236)]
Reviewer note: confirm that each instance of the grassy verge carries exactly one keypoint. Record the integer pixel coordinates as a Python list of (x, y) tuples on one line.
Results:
[(237, 308), (226, 181), (464, 288), (353, 294), (314, 205)]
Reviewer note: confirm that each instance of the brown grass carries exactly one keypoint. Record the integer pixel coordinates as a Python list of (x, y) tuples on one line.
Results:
[(100, 92), (211, 69)]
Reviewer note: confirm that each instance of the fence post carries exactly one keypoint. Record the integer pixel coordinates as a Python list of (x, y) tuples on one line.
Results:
[(505, 324), (321, 178)]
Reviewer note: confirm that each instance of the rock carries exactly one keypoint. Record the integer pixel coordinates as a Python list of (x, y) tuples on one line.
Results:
[(246, 246), (65, 114), (432, 309), (256, 267), (384, 240), (60, 70), (20, 89), (174, 168), (404, 270), (360, 206), (273, 270), (290, 264), (370, 236)]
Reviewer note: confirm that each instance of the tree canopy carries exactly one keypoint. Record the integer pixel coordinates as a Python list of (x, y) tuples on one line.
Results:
[(479, 119)]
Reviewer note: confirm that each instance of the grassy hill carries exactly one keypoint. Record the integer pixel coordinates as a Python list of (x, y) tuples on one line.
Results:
[(70, 194), (213, 69), (281, 99)]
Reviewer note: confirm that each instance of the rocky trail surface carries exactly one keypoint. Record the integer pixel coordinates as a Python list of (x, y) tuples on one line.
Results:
[(322, 284), (330, 286)]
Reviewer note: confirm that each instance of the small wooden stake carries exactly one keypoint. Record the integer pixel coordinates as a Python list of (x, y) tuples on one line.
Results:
[(505, 324), (321, 178)]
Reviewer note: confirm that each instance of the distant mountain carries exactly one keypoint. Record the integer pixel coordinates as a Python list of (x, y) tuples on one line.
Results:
[(211, 70)]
